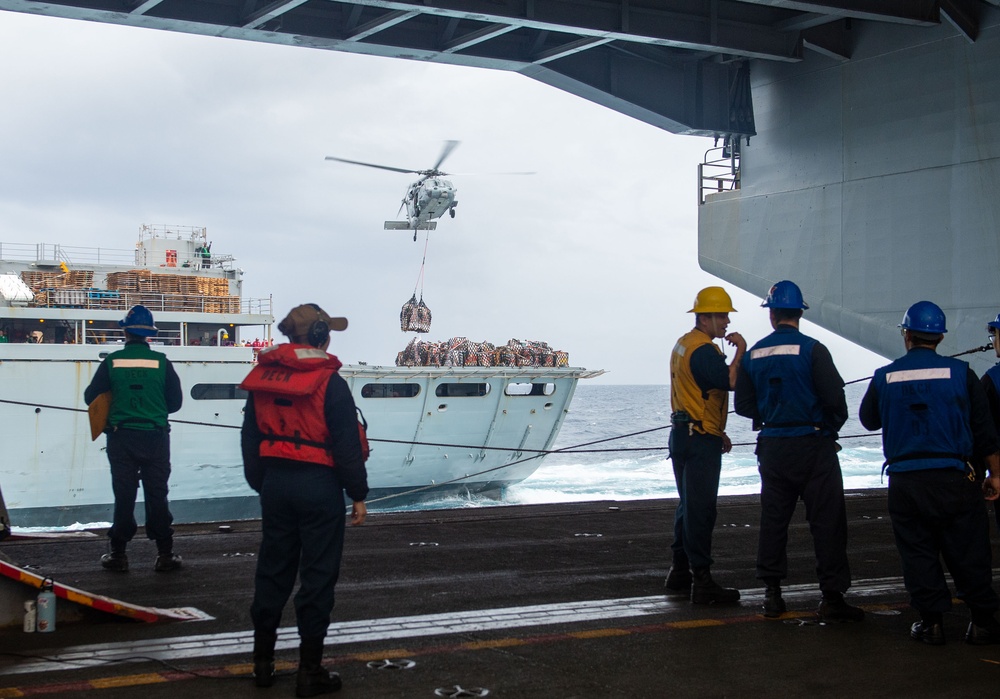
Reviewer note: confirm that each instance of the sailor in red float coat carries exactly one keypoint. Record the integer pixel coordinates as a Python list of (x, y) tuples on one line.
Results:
[(301, 452), (289, 386)]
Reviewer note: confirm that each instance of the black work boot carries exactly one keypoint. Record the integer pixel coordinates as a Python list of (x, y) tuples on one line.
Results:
[(704, 590), (984, 629), (312, 677), (263, 657), (774, 604), (929, 630), (678, 581), (115, 559), (834, 608), (166, 559)]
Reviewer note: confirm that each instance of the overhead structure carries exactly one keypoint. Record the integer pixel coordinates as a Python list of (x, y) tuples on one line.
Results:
[(681, 65)]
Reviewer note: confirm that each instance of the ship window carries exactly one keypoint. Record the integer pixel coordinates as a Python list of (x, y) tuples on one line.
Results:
[(218, 391), (450, 390), (530, 389), (390, 390)]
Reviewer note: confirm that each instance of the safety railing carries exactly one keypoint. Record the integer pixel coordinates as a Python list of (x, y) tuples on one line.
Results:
[(718, 172)]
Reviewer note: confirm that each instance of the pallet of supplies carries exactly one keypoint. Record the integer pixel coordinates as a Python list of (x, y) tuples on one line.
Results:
[(461, 352)]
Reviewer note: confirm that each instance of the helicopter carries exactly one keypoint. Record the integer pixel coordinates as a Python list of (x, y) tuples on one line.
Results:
[(428, 198)]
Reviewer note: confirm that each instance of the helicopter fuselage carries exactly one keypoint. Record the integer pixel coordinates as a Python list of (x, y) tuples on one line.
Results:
[(430, 198)]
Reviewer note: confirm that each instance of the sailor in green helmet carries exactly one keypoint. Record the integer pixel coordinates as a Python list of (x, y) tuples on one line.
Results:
[(144, 389)]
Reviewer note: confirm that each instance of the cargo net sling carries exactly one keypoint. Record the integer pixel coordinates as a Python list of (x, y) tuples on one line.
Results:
[(459, 351), (416, 316)]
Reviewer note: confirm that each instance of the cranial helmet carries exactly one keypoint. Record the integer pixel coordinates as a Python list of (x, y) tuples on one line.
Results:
[(713, 299), (139, 321), (924, 317), (785, 294)]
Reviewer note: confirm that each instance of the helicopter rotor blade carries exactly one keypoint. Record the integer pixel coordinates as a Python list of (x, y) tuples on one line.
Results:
[(380, 167), (449, 146), (476, 174)]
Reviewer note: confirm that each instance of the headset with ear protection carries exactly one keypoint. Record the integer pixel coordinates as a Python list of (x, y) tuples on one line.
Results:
[(319, 331)]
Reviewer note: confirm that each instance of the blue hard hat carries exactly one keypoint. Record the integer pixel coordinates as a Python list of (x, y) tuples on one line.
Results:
[(995, 323), (924, 317), (139, 321), (785, 294)]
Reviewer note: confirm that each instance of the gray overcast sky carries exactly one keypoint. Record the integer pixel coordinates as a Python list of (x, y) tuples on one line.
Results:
[(104, 128)]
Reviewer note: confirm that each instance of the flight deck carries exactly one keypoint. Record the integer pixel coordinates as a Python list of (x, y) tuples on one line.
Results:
[(520, 601)]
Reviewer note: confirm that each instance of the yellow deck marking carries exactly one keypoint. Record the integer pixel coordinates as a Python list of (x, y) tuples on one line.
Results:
[(695, 623), (499, 643), (127, 680), (600, 633), (382, 654)]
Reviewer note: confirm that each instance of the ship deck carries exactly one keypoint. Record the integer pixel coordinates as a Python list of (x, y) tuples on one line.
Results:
[(525, 601)]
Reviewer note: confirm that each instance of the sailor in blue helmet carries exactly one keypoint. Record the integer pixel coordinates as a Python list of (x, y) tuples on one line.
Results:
[(935, 421), (991, 384), (788, 385), (144, 389)]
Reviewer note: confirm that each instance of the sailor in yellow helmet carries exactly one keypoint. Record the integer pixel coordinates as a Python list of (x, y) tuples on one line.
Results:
[(700, 381)]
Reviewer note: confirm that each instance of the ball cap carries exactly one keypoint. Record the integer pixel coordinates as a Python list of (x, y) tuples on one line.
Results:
[(301, 318)]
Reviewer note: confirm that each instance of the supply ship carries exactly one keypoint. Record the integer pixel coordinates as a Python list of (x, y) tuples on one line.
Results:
[(437, 427)]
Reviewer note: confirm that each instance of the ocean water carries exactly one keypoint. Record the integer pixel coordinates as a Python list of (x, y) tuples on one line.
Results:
[(636, 467), (621, 435)]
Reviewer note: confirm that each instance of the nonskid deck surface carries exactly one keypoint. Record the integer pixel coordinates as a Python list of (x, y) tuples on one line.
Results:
[(526, 601)]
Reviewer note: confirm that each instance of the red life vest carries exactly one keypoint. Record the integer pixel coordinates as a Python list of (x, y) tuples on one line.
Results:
[(289, 388)]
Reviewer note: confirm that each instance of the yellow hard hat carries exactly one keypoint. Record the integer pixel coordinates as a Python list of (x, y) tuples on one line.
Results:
[(712, 299)]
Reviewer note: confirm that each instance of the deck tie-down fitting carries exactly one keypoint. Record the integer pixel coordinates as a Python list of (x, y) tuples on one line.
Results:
[(457, 692), (387, 664)]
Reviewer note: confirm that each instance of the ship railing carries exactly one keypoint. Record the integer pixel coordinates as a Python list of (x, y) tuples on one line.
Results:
[(112, 336), (256, 306), (719, 171), (53, 254), (100, 299)]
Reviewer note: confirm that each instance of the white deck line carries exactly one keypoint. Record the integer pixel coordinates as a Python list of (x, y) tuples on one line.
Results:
[(395, 628)]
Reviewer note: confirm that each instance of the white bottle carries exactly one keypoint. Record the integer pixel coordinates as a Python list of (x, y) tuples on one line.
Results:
[(30, 616)]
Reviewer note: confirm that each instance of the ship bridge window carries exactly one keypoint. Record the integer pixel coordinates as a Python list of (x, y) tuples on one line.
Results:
[(451, 390), (390, 390), (218, 391), (530, 389)]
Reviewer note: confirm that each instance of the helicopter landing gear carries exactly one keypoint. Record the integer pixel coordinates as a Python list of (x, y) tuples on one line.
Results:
[(451, 212), (414, 235)]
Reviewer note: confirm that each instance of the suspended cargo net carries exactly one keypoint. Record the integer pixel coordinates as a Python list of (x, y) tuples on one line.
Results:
[(459, 351), (415, 316)]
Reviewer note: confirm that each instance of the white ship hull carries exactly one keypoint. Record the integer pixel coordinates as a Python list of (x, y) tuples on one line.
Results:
[(433, 430), (422, 445)]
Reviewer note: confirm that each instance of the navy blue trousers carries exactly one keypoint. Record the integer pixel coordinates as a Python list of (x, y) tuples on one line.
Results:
[(808, 468), (697, 461), (140, 455), (302, 518), (940, 514)]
